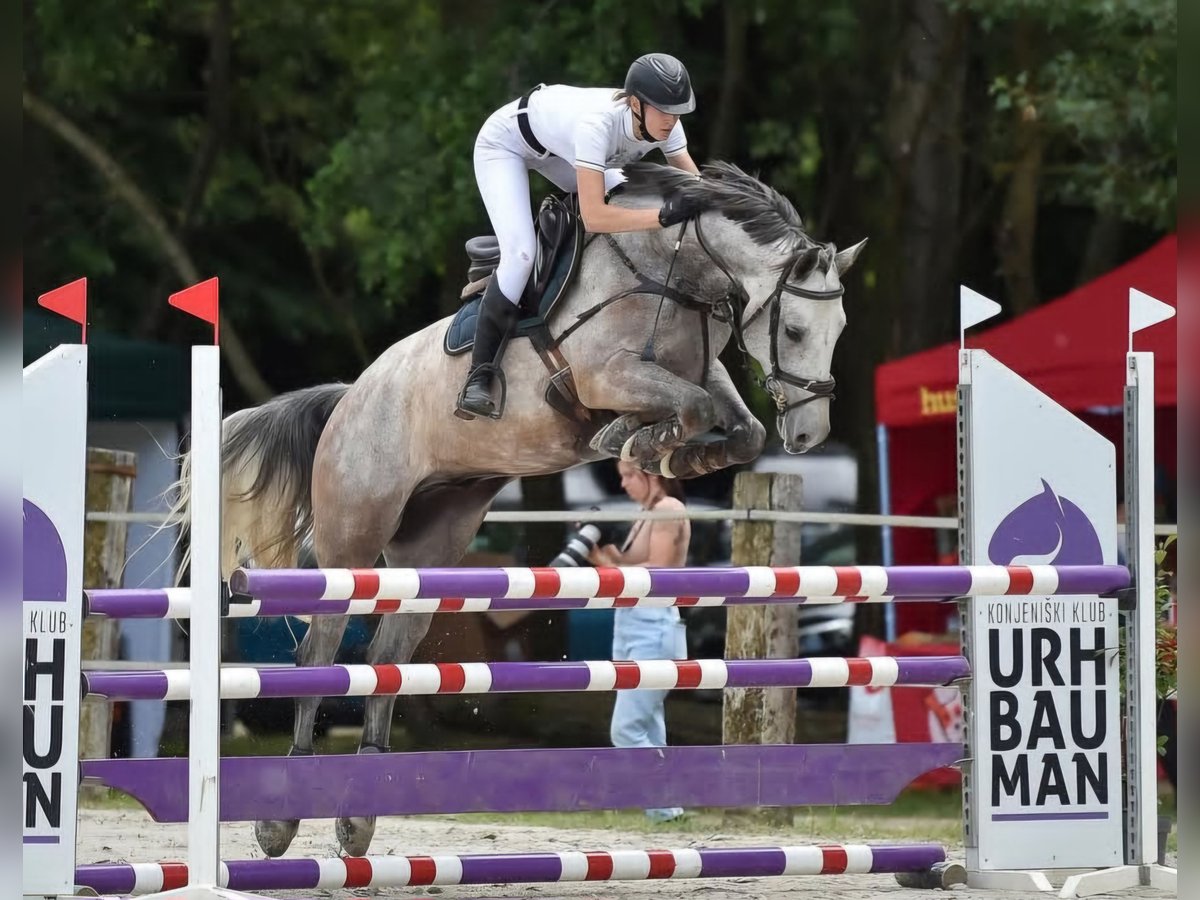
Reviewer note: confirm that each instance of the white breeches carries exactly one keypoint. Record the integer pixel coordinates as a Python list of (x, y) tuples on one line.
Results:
[(502, 164)]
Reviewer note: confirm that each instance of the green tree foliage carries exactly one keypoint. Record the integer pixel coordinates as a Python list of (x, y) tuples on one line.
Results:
[(1102, 84), (317, 156)]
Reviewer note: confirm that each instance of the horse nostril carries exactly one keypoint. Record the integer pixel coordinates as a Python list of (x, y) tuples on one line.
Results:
[(802, 438)]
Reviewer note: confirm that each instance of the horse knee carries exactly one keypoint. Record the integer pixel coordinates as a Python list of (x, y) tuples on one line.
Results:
[(746, 441), (699, 415)]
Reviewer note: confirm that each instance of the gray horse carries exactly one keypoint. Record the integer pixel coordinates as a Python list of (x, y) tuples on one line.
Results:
[(384, 467)]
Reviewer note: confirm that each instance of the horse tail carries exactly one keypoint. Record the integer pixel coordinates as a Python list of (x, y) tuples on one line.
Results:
[(267, 457)]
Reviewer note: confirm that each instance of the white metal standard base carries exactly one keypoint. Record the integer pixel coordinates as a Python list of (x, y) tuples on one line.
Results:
[(199, 892), (1009, 881), (1120, 878)]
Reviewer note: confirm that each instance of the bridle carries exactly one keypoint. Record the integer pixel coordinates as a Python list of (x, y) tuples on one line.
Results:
[(731, 308)]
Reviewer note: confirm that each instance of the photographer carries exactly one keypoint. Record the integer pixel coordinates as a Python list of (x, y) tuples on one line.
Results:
[(647, 633)]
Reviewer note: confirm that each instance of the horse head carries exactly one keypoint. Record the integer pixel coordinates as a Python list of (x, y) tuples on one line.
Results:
[(792, 322), (781, 289)]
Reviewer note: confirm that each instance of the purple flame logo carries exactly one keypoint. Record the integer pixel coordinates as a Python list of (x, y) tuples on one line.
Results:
[(1046, 529)]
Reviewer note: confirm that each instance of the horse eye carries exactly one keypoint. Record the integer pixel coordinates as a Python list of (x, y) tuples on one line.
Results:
[(796, 334)]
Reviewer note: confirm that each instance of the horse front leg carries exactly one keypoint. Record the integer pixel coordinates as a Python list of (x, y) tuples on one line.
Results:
[(659, 410), (744, 437)]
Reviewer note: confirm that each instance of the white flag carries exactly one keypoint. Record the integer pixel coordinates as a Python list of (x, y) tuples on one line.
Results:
[(1145, 311), (974, 308)]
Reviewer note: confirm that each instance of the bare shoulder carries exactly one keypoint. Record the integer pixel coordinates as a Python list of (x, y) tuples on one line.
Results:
[(667, 504)]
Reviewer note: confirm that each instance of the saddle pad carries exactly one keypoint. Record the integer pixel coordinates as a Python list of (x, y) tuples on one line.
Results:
[(460, 334)]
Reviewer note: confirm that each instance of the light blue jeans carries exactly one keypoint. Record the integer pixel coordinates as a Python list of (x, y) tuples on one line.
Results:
[(637, 717)]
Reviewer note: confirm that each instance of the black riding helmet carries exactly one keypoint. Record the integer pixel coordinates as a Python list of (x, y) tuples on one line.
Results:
[(661, 81)]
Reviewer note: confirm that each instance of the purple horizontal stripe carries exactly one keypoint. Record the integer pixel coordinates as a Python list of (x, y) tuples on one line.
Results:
[(533, 780), (1048, 817), (769, 672), (906, 858), (931, 669), (511, 868), (568, 676), (128, 604), (151, 685), (737, 862), (295, 584), (106, 879), (703, 582), (463, 582), (310, 681), (937, 581), (41, 839), (273, 874)]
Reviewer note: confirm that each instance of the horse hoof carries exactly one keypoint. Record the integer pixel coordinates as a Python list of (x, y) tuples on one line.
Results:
[(354, 834), (612, 437), (275, 836)]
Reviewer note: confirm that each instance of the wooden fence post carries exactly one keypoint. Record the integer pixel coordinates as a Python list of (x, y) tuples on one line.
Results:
[(763, 715), (109, 488)]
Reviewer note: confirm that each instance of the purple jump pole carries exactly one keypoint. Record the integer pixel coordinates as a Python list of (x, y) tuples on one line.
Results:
[(338, 592), (526, 868), (175, 603), (794, 581), (247, 682)]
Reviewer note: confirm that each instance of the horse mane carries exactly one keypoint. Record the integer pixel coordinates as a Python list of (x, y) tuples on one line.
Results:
[(764, 214)]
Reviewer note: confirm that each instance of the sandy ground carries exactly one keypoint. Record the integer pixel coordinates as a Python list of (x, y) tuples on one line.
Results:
[(131, 836)]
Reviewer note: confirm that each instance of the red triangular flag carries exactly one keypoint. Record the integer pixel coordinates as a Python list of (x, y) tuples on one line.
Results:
[(200, 300), (70, 301)]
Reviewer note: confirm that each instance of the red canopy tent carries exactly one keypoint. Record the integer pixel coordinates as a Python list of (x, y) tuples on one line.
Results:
[(1072, 348)]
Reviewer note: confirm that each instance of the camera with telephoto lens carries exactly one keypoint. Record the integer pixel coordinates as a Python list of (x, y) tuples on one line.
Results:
[(584, 540)]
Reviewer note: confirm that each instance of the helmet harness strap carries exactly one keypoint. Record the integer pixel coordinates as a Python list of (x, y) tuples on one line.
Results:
[(639, 116)]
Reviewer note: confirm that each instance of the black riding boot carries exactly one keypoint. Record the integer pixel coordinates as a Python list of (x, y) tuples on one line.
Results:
[(497, 319)]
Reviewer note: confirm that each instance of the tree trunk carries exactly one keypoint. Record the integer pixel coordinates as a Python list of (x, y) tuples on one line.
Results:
[(245, 372), (1102, 251), (900, 297), (1018, 223), (219, 97), (924, 145), (723, 142), (763, 715)]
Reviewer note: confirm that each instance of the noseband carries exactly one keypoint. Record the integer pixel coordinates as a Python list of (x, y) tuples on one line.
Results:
[(733, 305)]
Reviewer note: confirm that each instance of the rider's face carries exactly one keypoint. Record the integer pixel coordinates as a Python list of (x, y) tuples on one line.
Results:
[(658, 123)]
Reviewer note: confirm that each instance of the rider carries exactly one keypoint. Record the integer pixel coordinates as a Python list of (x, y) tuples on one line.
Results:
[(578, 138)]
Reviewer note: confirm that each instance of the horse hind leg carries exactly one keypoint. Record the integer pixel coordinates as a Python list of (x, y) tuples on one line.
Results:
[(319, 648), (345, 536), (396, 640), (437, 528)]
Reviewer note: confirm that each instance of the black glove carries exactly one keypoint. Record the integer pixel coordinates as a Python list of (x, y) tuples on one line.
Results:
[(678, 207)]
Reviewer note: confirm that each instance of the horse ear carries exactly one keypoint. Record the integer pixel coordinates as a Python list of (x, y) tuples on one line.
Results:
[(845, 258), (806, 260)]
